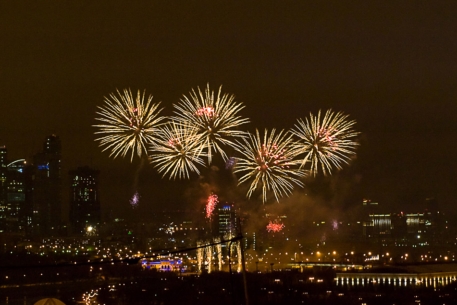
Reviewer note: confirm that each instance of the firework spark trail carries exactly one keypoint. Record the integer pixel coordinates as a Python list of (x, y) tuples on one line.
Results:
[(218, 247), (325, 142), (177, 151), (275, 226), (128, 123), (270, 163), (137, 173), (199, 256), (135, 200), (209, 257), (211, 203), (238, 253), (215, 117)]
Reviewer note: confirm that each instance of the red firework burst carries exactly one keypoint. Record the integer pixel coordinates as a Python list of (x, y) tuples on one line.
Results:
[(208, 111), (211, 205), (275, 226)]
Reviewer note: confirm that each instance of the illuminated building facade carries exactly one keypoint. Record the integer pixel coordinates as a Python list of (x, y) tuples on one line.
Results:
[(164, 265), (3, 171), (84, 199), (16, 190), (379, 224), (47, 206), (19, 197), (416, 229), (227, 222)]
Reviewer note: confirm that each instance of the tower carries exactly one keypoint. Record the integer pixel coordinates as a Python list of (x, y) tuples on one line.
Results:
[(3, 172), (3, 164), (19, 204), (84, 199), (47, 205), (227, 221)]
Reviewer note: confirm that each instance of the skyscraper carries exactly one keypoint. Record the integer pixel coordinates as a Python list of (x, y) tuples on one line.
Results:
[(3, 171), (84, 199), (19, 192), (227, 221), (3, 163), (47, 207)]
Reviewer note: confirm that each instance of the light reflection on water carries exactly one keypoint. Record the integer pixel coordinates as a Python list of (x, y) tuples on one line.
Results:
[(396, 279)]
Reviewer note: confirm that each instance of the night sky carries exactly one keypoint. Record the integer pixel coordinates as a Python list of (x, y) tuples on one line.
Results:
[(392, 68)]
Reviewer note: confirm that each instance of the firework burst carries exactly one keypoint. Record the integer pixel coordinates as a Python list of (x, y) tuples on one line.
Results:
[(128, 123), (135, 200), (275, 226), (326, 142), (177, 151), (214, 116), (211, 203), (270, 163)]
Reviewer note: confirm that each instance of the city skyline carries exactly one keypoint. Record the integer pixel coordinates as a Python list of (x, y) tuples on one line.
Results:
[(389, 67)]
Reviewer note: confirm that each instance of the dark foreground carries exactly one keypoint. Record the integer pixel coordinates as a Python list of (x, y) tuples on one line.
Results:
[(149, 287)]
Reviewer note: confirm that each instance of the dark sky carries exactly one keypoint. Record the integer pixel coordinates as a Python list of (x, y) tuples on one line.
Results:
[(392, 67)]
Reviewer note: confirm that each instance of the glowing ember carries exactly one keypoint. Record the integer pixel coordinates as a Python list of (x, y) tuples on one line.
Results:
[(211, 205), (274, 226), (173, 142), (208, 111), (135, 121), (135, 200)]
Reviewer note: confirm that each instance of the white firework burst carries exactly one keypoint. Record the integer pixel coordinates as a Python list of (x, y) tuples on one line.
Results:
[(128, 123), (269, 162), (325, 142), (214, 116), (177, 151)]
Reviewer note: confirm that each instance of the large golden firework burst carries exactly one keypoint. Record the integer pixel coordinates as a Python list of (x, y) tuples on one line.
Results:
[(128, 123), (215, 116), (177, 151), (269, 162), (325, 142)]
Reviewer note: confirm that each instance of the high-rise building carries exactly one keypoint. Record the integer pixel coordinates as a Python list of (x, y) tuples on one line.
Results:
[(227, 221), (3, 163), (19, 192), (435, 221), (47, 207), (84, 199), (3, 172)]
